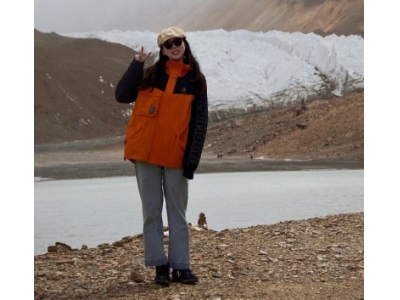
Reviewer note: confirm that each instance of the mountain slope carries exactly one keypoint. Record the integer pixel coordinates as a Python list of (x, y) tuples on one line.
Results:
[(323, 129), (74, 88)]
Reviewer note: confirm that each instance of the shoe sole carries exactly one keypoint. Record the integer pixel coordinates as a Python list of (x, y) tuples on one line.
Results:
[(188, 281), (162, 282)]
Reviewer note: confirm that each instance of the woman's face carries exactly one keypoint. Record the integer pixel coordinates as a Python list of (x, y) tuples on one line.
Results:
[(176, 49)]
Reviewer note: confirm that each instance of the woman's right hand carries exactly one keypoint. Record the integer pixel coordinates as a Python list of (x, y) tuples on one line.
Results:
[(142, 56)]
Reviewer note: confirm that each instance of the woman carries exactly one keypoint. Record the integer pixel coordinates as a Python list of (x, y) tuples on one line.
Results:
[(164, 139)]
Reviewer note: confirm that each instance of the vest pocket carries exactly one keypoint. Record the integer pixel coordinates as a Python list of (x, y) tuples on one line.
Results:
[(147, 103)]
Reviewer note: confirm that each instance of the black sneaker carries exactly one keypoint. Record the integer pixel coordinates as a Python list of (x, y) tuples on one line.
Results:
[(162, 275), (184, 276)]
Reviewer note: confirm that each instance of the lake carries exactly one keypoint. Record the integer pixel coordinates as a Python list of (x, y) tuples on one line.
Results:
[(103, 210)]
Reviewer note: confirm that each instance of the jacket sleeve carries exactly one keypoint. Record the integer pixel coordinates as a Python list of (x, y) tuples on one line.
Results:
[(197, 135), (127, 88)]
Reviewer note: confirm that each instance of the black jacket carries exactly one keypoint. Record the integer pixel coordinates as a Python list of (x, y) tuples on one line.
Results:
[(127, 92)]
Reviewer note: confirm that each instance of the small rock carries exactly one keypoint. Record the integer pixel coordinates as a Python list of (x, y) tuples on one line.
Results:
[(202, 221), (106, 251), (322, 250), (40, 274), (136, 277), (63, 247), (118, 243), (274, 260), (301, 125), (266, 278), (122, 281), (300, 258), (52, 249), (65, 261), (222, 246)]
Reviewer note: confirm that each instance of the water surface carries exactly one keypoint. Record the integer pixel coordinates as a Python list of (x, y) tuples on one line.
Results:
[(103, 210)]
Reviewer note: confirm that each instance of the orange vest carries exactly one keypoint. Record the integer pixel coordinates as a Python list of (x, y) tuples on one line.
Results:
[(157, 131)]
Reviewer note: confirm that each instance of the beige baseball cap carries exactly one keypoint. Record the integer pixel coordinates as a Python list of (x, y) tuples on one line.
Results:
[(170, 32)]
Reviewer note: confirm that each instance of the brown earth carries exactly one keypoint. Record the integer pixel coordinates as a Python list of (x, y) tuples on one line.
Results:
[(74, 88), (323, 129)]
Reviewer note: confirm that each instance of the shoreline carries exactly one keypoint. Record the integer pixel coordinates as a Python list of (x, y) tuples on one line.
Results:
[(99, 158), (85, 169)]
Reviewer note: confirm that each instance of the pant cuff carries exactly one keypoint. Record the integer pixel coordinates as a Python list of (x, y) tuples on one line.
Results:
[(179, 266), (155, 262)]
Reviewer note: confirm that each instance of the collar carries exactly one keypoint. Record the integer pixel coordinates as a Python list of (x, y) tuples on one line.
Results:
[(176, 68)]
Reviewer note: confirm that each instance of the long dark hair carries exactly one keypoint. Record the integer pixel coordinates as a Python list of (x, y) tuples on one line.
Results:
[(153, 72)]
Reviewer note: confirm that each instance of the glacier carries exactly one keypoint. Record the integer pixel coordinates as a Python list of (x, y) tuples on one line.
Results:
[(253, 71)]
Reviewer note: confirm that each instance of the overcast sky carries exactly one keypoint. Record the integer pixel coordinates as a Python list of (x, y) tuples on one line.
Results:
[(75, 15), (67, 16)]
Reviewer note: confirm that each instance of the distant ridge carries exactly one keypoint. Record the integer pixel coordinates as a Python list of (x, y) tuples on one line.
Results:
[(323, 17)]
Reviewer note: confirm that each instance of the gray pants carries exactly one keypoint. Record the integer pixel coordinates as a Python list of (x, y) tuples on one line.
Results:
[(154, 183)]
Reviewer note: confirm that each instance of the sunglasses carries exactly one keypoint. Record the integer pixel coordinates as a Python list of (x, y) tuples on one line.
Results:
[(176, 41)]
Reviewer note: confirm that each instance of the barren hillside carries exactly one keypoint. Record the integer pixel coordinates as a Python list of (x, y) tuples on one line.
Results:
[(74, 88), (323, 129)]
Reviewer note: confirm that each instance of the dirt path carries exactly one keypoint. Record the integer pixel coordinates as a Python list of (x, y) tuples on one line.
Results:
[(104, 158)]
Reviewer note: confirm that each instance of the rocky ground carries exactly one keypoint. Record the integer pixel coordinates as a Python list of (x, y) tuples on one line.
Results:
[(318, 258)]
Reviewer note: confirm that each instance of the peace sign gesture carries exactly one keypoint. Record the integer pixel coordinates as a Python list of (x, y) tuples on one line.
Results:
[(142, 56)]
